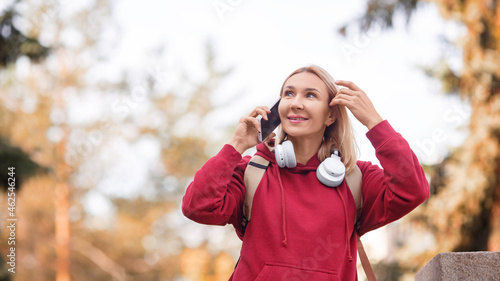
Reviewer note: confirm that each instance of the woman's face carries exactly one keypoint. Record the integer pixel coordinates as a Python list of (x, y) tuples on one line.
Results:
[(304, 109)]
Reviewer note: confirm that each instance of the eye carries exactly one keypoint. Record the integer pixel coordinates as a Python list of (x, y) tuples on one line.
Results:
[(287, 93), (311, 95)]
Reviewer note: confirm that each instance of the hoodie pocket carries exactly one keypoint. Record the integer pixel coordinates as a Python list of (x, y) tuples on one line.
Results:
[(287, 272)]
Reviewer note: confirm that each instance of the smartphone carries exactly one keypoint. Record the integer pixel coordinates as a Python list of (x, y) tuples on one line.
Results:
[(268, 126)]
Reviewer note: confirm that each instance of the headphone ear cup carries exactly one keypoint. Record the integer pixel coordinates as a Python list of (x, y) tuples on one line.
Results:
[(285, 155), (279, 154), (290, 161), (331, 172)]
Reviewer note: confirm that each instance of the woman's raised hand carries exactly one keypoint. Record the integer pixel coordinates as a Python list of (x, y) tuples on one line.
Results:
[(357, 102), (246, 134)]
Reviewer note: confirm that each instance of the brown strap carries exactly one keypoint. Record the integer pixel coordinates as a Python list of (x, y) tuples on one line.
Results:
[(367, 267), (353, 180), (252, 178)]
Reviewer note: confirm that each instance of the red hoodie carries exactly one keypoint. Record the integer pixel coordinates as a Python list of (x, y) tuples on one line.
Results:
[(301, 229)]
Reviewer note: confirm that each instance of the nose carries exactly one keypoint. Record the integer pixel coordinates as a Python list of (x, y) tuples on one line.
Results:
[(297, 103)]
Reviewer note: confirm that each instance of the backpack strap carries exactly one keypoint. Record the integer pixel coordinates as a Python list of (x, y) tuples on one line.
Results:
[(354, 180), (367, 267), (253, 175)]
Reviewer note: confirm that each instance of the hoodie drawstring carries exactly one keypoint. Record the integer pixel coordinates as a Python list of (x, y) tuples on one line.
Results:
[(283, 206), (283, 215), (347, 238)]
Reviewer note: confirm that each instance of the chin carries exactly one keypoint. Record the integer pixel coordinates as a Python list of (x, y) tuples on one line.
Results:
[(300, 132), (294, 133)]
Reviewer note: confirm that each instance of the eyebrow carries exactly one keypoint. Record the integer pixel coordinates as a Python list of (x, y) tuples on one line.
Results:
[(307, 89)]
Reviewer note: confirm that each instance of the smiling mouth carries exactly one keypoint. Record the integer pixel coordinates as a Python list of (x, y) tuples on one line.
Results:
[(297, 119)]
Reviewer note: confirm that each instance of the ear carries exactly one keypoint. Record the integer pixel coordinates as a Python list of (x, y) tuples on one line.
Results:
[(330, 119)]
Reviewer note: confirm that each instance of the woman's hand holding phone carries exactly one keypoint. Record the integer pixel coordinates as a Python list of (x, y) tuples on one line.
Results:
[(246, 134)]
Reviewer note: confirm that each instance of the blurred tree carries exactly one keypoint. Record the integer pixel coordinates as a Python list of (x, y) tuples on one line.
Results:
[(134, 241), (13, 156), (184, 147), (471, 193), (13, 43), (464, 212), (33, 119)]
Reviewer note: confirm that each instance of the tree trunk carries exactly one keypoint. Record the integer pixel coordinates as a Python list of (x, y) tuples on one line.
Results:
[(62, 222), (62, 231)]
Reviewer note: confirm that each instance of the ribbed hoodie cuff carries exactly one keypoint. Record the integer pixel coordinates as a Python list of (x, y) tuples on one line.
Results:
[(229, 153), (380, 133)]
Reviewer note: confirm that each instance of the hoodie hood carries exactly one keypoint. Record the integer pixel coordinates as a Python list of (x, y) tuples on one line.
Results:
[(264, 150)]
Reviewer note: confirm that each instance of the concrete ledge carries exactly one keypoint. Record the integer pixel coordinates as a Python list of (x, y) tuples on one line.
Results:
[(461, 266)]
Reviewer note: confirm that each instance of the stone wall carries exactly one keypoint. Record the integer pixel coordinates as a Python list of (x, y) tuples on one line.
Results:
[(461, 266)]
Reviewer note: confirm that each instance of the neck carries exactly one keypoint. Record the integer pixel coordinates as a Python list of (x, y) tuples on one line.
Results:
[(305, 147)]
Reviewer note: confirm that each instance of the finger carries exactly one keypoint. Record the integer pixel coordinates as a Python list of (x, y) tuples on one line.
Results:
[(255, 124), (251, 122), (260, 110), (264, 111), (347, 92), (348, 84), (340, 100)]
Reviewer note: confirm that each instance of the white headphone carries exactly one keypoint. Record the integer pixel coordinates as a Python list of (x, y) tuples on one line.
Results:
[(285, 155), (330, 172)]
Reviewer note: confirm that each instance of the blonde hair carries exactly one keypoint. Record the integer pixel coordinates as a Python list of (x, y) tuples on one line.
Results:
[(338, 136)]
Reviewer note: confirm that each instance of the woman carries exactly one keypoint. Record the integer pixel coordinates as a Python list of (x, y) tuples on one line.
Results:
[(300, 229)]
